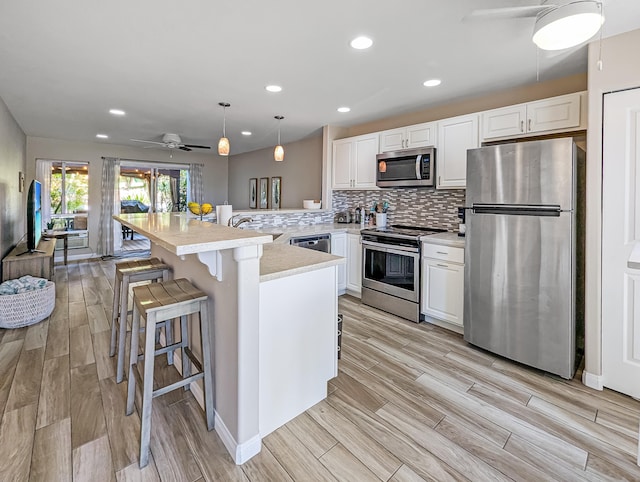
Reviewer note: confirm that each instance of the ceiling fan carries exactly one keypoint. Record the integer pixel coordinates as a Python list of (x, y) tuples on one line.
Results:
[(172, 141), (559, 24)]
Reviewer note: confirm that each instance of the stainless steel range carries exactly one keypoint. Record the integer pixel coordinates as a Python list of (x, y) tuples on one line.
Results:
[(391, 269)]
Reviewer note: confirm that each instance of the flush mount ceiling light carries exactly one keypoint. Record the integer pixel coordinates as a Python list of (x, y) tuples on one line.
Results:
[(344, 109), (273, 88), (432, 82), (223, 143), (278, 152), (361, 43), (567, 25), (246, 133), (118, 112), (102, 136)]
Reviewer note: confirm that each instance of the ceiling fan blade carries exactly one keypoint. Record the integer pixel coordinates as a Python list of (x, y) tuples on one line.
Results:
[(148, 142), (184, 148), (508, 12), (194, 146)]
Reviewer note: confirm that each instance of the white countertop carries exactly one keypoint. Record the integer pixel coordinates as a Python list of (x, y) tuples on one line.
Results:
[(287, 232), (181, 235), (445, 239), (281, 260)]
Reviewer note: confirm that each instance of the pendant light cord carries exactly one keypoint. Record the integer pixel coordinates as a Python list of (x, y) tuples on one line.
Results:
[(224, 121), (599, 63)]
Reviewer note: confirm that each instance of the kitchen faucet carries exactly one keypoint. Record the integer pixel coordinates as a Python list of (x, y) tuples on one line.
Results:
[(238, 222)]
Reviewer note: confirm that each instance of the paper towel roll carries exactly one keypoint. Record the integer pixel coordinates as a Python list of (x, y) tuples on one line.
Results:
[(224, 213)]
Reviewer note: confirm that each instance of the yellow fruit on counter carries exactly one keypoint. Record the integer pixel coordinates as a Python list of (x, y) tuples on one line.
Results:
[(206, 208), (194, 207)]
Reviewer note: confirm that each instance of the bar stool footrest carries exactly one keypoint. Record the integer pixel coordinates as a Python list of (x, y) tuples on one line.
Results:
[(193, 358), (176, 385)]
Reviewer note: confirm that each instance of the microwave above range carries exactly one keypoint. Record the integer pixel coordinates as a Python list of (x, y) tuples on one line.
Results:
[(406, 168)]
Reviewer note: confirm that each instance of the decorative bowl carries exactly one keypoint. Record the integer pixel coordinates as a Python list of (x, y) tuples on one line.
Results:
[(311, 204)]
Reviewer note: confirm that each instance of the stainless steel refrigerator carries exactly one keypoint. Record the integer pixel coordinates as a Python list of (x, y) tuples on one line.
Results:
[(523, 257)]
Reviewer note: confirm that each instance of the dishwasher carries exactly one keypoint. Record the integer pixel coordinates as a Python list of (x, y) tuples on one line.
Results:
[(317, 242)]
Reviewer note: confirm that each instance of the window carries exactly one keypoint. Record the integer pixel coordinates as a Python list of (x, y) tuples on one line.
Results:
[(69, 189), (152, 189)]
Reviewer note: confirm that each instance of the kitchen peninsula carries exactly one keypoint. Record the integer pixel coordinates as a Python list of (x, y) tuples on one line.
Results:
[(273, 312)]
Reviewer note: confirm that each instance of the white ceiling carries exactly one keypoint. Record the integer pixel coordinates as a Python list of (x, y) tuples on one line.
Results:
[(168, 63)]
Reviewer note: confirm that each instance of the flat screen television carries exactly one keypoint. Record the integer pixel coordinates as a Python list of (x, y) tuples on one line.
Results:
[(34, 216)]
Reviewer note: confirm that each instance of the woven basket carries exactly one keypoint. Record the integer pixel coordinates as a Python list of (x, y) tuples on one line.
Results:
[(24, 309)]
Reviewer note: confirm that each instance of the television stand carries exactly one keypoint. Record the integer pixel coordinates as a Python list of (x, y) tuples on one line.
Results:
[(31, 251), (38, 264)]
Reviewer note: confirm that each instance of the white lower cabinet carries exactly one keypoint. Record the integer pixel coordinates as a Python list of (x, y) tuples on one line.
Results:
[(339, 248), (354, 264), (442, 290)]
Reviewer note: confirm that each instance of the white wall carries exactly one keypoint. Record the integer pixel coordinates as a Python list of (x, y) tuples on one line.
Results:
[(621, 70), (301, 172), (12, 161), (215, 172)]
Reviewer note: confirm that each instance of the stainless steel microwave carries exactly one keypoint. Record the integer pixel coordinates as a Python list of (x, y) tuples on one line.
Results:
[(406, 168)]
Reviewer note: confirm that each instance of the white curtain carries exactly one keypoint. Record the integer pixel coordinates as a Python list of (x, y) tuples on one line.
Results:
[(43, 174), (196, 187), (110, 167)]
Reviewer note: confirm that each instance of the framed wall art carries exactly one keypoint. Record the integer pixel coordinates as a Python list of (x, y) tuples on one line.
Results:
[(264, 192), (276, 192), (253, 192)]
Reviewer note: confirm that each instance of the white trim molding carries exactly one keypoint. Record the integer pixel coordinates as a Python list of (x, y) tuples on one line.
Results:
[(592, 381), (240, 452)]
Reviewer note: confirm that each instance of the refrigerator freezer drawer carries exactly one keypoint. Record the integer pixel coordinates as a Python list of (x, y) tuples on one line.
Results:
[(519, 288)]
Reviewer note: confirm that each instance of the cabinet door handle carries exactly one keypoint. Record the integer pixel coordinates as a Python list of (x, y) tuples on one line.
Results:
[(439, 181), (521, 126), (529, 125), (442, 252), (442, 265)]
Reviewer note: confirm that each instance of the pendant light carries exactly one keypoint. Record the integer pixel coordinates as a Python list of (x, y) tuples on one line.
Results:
[(278, 152), (223, 143), (568, 25)]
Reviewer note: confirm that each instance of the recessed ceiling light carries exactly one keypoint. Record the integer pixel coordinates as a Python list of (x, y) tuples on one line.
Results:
[(273, 88), (344, 109), (361, 43), (246, 133), (116, 112), (102, 136), (432, 82)]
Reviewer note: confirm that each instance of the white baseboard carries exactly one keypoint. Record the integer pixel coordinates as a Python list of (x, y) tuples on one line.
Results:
[(240, 452), (592, 381)]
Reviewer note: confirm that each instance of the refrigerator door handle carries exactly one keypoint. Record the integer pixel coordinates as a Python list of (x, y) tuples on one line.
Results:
[(517, 209)]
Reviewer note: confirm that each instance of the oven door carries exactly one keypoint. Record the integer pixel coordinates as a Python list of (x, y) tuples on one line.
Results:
[(394, 270)]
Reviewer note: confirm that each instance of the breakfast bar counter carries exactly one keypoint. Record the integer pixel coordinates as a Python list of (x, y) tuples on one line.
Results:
[(273, 309)]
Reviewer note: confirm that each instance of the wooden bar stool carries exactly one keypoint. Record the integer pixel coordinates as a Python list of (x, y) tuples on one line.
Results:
[(128, 272), (158, 302)]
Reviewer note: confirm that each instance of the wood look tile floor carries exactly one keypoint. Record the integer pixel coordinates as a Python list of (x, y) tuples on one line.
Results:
[(411, 402)]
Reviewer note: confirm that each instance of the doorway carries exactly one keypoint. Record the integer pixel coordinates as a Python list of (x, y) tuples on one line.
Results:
[(149, 188), (620, 235)]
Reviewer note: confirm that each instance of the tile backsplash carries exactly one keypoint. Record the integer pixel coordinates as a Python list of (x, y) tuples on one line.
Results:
[(417, 206)]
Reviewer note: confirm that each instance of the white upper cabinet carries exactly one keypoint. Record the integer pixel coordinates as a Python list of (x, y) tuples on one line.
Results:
[(354, 162), (418, 135), (455, 136), (555, 114)]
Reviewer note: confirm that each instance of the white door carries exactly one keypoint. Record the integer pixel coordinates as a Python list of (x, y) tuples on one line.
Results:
[(392, 140), (342, 152), (620, 233), (455, 136), (443, 290), (560, 112), (421, 135), (365, 151), (354, 263)]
